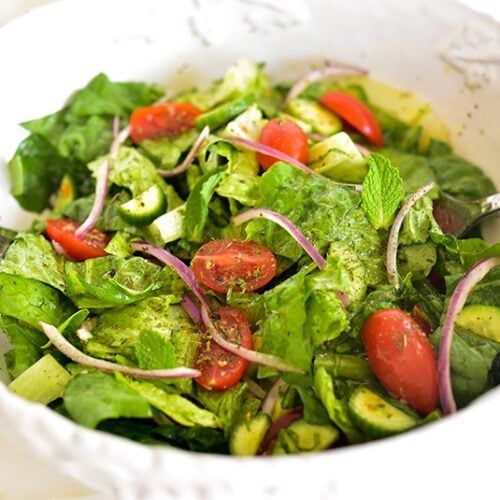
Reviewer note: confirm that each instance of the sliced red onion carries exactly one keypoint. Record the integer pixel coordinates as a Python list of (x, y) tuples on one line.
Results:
[(101, 187), (457, 301), (252, 356), (59, 249), (287, 225), (317, 137), (255, 389), (363, 149), (392, 244), (185, 274), (281, 423), (272, 396), (192, 309), (195, 148), (71, 352), (331, 68), (274, 153)]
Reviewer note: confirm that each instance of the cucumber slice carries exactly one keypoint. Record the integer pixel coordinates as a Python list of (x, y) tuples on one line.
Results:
[(321, 120), (169, 227), (338, 158), (144, 208), (247, 436), (481, 320), (219, 116), (42, 382), (302, 437), (376, 416)]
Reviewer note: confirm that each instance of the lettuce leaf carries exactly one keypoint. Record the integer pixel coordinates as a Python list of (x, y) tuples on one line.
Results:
[(32, 256)]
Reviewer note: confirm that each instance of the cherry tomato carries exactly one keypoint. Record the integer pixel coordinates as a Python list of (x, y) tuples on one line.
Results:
[(90, 246), (160, 120), (244, 266), (285, 136), (354, 112), (402, 358), (221, 369)]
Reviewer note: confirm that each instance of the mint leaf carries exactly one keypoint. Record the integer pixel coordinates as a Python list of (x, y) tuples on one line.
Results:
[(154, 351), (383, 191)]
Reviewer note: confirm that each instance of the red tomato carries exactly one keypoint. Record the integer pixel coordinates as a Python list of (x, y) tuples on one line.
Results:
[(354, 112), (90, 246), (285, 136), (160, 120), (221, 369), (244, 266), (402, 358)]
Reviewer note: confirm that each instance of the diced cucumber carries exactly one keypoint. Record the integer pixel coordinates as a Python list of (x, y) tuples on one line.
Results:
[(377, 417), (219, 116), (338, 158), (248, 125), (306, 128), (432, 417), (42, 382), (144, 208), (169, 226), (481, 320), (247, 436), (321, 120), (302, 437), (66, 193)]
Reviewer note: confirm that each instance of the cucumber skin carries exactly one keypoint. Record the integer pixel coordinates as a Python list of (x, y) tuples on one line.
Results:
[(255, 431), (374, 430), (220, 116), (147, 217)]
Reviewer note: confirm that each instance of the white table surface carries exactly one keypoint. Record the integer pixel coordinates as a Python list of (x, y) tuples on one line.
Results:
[(21, 476)]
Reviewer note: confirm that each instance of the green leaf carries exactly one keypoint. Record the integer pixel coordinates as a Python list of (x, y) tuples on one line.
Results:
[(31, 301), (383, 191), (314, 411), (196, 213), (201, 439), (35, 172), (93, 397), (112, 281), (153, 351), (336, 408), (176, 407), (32, 256)]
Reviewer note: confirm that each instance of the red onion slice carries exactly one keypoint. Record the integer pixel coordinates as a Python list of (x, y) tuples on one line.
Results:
[(329, 69), (192, 309), (274, 153), (71, 352), (281, 423), (317, 137), (101, 187), (363, 150), (255, 389), (272, 396), (195, 148), (287, 225), (392, 244), (185, 274), (252, 356), (457, 301)]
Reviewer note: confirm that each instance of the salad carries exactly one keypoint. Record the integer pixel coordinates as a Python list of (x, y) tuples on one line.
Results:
[(247, 268)]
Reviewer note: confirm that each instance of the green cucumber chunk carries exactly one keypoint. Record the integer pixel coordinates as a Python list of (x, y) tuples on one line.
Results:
[(321, 120), (144, 208), (168, 227), (378, 418), (302, 437), (481, 320), (221, 115), (338, 158), (247, 436), (42, 382)]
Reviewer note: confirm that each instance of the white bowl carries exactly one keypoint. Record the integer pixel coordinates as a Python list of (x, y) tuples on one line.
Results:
[(48, 53)]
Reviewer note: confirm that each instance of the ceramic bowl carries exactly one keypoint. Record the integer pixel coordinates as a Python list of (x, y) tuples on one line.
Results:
[(441, 50)]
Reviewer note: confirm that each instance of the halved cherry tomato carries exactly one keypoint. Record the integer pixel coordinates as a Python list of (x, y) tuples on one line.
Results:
[(285, 136), (244, 266), (91, 246), (160, 120), (402, 358), (221, 369), (354, 112)]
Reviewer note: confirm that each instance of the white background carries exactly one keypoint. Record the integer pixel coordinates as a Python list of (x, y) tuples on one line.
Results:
[(21, 476)]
